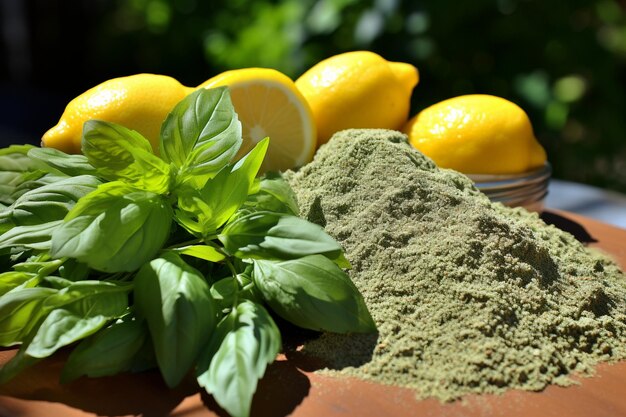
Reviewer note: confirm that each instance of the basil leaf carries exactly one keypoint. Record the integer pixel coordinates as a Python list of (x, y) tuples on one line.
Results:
[(221, 196), (15, 169), (15, 158), (60, 328), (201, 135), (115, 228), (175, 301), (13, 279), (246, 341), (52, 201), (76, 312), (58, 283), (274, 194), (208, 253), (188, 222), (20, 312), (108, 352), (84, 297), (33, 180), (226, 290), (314, 293), (6, 222), (119, 153), (267, 235), (73, 270), (58, 162), (36, 236)]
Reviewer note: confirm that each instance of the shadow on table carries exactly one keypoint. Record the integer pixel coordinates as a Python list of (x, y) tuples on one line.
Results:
[(280, 391), (126, 394), (568, 225), (145, 393)]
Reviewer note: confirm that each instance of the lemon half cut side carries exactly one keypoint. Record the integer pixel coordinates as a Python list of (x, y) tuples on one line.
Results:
[(269, 105)]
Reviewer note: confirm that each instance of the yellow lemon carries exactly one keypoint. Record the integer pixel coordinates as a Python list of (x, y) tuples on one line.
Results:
[(139, 102), (477, 134), (358, 89), (269, 104)]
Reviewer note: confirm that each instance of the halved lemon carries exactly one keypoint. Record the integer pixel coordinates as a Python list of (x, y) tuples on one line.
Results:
[(269, 104)]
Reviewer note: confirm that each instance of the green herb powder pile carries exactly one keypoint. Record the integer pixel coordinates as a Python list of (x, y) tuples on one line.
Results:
[(468, 296)]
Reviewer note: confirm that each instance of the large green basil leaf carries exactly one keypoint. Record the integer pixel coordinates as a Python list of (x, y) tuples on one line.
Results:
[(119, 153), (175, 300), (222, 195), (314, 293), (60, 328), (115, 228), (52, 201), (267, 235), (245, 342), (108, 352), (201, 135), (58, 162), (20, 312)]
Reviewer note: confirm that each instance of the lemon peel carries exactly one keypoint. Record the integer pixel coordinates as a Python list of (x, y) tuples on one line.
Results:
[(477, 134), (139, 102), (358, 89)]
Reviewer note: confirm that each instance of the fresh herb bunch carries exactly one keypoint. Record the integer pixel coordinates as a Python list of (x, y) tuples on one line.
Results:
[(139, 261)]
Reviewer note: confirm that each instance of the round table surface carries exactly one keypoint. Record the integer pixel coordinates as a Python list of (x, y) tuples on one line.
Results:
[(291, 387)]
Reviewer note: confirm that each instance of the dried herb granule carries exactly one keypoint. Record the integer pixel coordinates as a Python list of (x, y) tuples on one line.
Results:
[(468, 296)]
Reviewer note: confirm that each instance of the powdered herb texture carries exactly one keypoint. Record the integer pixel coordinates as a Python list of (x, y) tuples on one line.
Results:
[(468, 296)]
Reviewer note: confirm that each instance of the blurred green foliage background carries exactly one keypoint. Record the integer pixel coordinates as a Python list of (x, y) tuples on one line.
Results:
[(564, 62)]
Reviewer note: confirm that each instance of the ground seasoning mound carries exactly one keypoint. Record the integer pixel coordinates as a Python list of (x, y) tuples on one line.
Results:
[(468, 296)]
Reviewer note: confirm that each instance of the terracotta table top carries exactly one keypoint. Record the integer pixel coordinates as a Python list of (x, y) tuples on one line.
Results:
[(291, 388)]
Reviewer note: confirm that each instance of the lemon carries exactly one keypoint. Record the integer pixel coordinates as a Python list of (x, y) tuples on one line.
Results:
[(269, 104), (477, 134), (358, 89), (139, 102)]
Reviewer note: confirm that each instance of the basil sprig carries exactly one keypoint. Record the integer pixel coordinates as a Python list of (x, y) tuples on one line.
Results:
[(177, 261)]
